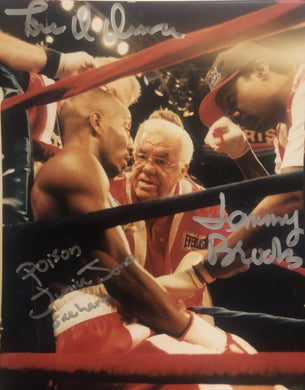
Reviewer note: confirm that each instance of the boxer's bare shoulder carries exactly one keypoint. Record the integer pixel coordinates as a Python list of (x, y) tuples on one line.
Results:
[(71, 182)]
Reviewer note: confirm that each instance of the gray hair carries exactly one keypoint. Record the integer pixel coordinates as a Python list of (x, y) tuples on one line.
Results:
[(165, 113), (168, 128)]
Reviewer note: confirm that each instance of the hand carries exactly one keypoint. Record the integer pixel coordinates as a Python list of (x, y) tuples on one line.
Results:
[(190, 259), (73, 63), (214, 339), (226, 137), (218, 271), (213, 268), (183, 282)]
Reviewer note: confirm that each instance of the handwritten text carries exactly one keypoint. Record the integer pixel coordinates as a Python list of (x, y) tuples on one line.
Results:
[(81, 24), (236, 220), (118, 12), (32, 270), (76, 283), (57, 319)]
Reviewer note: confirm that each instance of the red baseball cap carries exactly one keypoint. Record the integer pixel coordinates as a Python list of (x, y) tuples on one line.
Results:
[(226, 66)]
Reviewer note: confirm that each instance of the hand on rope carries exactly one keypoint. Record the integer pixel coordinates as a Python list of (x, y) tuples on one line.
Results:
[(226, 137), (172, 51), (60, 65), (73, 63)]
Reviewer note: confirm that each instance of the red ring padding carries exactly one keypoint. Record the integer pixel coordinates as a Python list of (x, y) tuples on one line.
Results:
[(261, 368), (255, 25)]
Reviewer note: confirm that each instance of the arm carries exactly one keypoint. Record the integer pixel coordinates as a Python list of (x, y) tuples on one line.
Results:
[(184, 282), (24, 56), (133, 287), (227, 137), (250, 166), (21, 55), (257, 237)]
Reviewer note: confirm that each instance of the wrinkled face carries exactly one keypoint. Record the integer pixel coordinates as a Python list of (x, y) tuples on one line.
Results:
[(252, 102), (116, 143), (157, 168)]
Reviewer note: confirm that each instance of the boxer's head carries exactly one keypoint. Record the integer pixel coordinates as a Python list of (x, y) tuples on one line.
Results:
[(99, 122), (162, 155), (249, 83)]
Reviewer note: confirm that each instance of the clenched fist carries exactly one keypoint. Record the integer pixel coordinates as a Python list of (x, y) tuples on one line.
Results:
[(73, 63), (226, 137)]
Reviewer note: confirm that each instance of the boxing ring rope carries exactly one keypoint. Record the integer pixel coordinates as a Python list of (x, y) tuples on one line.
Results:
[(255, 25), (262, 368), (120, 215)]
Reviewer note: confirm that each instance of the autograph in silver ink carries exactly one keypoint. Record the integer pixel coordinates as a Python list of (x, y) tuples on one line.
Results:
[(31, 270), (258, 256), (118, 13), (57, 320), (32, 28), (80, 24), (115, 271)]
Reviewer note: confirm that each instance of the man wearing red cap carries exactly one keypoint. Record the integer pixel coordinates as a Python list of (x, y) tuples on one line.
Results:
[(251, 87), (256, 89)]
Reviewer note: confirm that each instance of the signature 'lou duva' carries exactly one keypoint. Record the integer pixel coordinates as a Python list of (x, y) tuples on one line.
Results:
[(114, 27), (118, 13)]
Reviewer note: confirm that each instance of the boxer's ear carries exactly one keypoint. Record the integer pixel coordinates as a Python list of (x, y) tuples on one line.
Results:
[(261, 68), (95, 119)]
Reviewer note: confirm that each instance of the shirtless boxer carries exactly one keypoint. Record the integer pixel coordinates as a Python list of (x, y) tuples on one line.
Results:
[(96, 138)]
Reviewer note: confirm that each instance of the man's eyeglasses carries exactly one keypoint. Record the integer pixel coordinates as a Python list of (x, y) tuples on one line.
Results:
[(141, 158)]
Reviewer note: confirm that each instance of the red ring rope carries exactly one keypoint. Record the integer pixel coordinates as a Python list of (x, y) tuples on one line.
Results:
[(258, 24), (260, 368)]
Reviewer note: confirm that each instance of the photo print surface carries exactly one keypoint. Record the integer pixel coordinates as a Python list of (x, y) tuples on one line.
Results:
[(152, 194)]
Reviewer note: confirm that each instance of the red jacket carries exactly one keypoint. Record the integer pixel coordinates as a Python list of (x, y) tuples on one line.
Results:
[(161, 243)]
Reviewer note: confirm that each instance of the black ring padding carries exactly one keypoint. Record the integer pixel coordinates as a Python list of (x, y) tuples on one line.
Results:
[(105, 219)]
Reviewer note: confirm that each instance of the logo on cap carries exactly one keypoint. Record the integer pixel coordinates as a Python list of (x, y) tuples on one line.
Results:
[(213, 77)]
